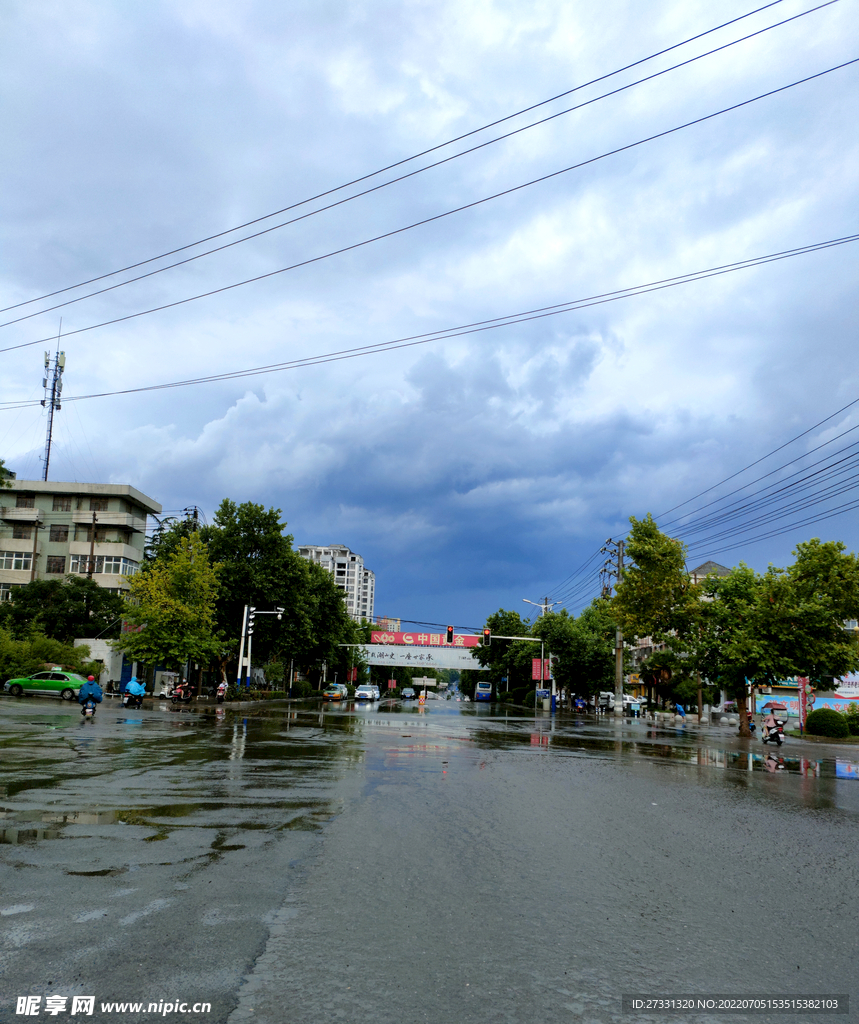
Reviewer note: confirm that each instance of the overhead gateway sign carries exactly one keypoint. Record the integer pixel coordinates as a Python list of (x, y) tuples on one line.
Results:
[(424, 639), (421, 657)]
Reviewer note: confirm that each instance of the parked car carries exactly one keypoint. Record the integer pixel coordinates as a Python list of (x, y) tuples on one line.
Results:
[(53, 683), (366, 691), (408, 693)]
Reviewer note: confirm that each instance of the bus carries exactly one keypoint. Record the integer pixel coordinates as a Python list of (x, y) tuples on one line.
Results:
[(483, 690)]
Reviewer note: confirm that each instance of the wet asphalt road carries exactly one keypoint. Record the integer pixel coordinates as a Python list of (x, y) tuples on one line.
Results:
[(396, 864)]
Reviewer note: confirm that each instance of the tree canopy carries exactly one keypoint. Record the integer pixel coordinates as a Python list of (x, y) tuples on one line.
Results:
[(173, 603), (63, 609)]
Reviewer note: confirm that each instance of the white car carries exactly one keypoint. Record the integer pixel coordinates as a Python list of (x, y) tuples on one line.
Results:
[(367, 692)]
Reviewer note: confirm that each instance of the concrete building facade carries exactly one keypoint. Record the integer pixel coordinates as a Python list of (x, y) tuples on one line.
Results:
[(357, 582), (49, 529)]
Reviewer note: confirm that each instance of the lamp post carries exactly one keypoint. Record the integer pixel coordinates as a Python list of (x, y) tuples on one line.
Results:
[(544, 606)]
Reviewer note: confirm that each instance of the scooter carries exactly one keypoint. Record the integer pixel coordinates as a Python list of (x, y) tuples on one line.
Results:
[(181, 696), (222, 693), (132, 700), (580, 704), (773, 732), (88, 708)]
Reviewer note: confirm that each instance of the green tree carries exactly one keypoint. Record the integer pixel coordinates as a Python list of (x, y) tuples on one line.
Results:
[(5, 476), (31, 653), (650, 596), (760, 629), (64, 609), (655, 598), (502, 658), (173, 601), (259, 568)]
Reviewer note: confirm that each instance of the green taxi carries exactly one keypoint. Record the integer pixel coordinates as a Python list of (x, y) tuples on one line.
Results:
[(51, 683)]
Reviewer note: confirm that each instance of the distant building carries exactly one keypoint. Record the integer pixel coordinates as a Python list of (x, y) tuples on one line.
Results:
[(357, 583), (388, 624), (49, 529), (708, 569)]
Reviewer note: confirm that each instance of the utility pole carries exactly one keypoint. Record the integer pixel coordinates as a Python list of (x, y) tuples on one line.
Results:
[(52, 382), (91, 562), (613, 567)]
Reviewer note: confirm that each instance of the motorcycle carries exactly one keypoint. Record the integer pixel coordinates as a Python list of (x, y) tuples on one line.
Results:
[(132, 700), (773, 732), (88, 708), (580, 704), (181, 695), (222, 693)]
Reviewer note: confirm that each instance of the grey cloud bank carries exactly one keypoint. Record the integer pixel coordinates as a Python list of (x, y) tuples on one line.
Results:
[(478, 470)]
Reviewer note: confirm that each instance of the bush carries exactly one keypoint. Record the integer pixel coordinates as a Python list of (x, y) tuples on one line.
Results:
[(530, 697), (302, 689), (852, 717), (518, 694), (826, 722)]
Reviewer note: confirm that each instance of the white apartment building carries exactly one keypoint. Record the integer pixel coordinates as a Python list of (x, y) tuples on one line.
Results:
[(357, 583), (49, 529)]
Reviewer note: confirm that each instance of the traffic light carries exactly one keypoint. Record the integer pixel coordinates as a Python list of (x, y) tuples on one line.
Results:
[(251, 615), (487, 637), (450, 634)]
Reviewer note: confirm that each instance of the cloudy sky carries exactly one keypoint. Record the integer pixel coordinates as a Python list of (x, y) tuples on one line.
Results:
[(476, 470)]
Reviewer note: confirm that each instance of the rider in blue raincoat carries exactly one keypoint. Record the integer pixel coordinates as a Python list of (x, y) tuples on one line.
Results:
[(134, 688), (90, 689)]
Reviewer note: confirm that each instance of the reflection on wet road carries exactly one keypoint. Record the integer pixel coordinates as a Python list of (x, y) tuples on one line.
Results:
[(362, 862)]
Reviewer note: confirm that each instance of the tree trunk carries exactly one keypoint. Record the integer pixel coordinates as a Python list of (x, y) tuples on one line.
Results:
[(744, 714)]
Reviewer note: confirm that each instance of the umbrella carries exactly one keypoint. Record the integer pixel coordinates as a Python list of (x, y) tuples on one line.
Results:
[(774, 706)]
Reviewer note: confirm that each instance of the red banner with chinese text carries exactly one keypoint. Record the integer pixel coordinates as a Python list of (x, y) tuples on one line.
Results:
[(424, 639)]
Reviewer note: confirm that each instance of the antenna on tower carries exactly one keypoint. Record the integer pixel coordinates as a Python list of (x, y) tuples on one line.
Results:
[(52, 382)]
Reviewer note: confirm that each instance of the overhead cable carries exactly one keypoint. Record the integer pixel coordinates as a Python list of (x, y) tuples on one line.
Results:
[(403, 177), (447, 213), (473, 328), (405, 160)]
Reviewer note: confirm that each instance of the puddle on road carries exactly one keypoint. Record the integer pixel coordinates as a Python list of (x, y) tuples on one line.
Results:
[(232, 773), (271, 769)]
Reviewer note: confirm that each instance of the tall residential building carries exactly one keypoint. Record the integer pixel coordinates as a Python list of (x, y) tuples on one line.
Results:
[(49, 529), (357, 583)]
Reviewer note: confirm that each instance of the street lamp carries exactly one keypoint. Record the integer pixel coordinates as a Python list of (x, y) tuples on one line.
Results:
[(544, 606)]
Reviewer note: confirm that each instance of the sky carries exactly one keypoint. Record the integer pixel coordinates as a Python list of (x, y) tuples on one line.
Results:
[(471, 471)]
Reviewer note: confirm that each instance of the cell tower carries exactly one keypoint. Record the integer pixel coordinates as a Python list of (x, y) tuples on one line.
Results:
[(53, 385)]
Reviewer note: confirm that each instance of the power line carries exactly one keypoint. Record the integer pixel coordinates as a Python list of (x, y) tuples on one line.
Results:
[(447, 213), (405, 160), (472, 328), (404, 177)]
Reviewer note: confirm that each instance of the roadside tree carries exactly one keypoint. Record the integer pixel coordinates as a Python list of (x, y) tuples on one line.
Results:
[(173, 601), (64, 609)]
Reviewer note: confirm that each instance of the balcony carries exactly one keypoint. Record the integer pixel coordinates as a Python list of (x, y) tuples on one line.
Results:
[(126, 519), (21, 515)]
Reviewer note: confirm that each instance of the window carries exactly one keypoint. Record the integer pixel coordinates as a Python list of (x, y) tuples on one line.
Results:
[(62, 504), (21, 532), (5, 592), (18, 560), (59, 534), (56, 564), (111, 565), (98, 504), (25, 501)]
